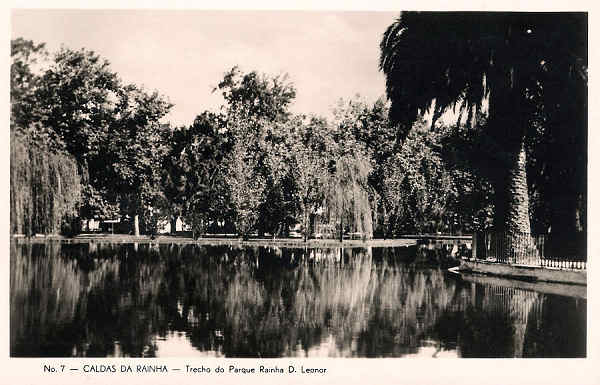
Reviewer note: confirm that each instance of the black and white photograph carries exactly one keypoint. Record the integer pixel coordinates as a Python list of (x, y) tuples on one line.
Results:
[(297, 184)]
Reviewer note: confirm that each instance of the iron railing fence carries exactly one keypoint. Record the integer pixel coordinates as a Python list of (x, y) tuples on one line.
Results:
[(548, 250)]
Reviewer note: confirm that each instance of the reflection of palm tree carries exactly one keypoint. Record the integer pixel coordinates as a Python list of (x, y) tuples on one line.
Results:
[(495, 320), (521, 303), (515, 304)]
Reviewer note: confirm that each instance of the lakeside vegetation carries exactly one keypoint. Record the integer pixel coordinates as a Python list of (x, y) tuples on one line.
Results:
[(85, 144)]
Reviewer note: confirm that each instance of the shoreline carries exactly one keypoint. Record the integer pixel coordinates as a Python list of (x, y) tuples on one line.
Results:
[(168, 239)]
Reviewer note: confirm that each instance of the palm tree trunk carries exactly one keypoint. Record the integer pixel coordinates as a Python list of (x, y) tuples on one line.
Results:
[(511, 211), (517, 205)]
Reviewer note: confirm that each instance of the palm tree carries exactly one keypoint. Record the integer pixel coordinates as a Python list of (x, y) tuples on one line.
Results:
[(464, 60)]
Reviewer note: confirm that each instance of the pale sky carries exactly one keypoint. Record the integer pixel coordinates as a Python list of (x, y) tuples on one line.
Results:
[(184, 54)]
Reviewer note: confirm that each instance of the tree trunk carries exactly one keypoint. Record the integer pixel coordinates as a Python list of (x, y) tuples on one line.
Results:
[(517, 204), (304, 227), (173, 225), (304, 230), (136, 225), (511, 211)]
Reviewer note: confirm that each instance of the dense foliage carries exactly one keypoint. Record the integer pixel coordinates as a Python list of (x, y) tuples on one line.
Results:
[(44, 187), (529, 71)]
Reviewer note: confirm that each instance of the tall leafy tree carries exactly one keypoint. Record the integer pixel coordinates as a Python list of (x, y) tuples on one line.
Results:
[(77, 96), (135, 149), (174, 173), (308, 170), (256, 105), (434, 61), (280, 208)]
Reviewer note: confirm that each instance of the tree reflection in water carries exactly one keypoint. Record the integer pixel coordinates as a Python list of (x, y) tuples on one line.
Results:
[(102, 299)]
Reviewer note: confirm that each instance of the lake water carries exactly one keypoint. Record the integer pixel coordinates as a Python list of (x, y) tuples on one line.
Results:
[(159, 300)]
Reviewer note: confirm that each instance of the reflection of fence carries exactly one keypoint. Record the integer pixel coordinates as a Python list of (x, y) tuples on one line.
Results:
[(548, 250)]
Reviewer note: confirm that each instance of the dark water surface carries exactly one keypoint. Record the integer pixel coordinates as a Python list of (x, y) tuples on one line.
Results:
[(107, 300)]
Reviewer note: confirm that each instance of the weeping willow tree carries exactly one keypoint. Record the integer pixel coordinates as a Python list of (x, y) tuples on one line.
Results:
[(44, 185), (347, 198)]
